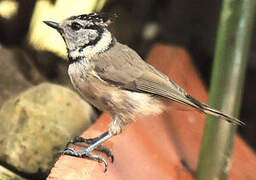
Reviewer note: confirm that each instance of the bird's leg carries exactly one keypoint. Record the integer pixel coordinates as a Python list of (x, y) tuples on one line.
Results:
[(90, 141), (94, 143)]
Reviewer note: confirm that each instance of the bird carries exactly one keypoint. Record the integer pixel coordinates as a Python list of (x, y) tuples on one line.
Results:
[(114, 78)]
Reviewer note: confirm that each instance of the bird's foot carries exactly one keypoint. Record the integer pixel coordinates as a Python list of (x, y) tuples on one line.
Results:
[(91, 144), (90, 141), (84, 154)]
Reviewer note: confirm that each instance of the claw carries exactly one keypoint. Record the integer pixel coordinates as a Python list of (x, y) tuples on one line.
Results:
[(69, 151), (93, 144), (83, 154), (100, 148), (102, 160), (107, 152)]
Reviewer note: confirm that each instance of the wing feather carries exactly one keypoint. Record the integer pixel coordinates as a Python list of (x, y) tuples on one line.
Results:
[(123, 67)]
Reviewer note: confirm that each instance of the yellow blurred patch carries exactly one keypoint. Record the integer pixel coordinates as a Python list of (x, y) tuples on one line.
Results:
[(43, 37), (8, 8)]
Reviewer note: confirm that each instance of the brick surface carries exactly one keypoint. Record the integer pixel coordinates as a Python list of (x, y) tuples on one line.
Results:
[(162, 147)]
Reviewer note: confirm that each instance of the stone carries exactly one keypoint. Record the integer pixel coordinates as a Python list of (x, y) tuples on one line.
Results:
[(21, 68), (37, 124), (6, 174)]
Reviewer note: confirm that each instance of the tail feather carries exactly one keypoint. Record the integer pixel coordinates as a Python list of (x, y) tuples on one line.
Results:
[(217, 113), (208, 110)]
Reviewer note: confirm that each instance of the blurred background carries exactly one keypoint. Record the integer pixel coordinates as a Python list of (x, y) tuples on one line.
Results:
[(32, 53)]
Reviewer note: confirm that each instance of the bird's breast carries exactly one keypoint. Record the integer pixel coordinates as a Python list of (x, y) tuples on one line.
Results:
[(107, 97), (92, 88)]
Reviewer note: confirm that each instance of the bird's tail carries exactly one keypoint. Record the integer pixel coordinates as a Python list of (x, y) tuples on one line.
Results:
[(214, 112), (208, 110)]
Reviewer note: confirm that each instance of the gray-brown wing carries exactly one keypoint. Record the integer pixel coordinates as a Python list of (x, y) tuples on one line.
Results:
[(123, 67)]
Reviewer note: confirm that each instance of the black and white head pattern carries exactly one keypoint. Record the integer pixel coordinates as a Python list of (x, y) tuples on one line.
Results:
[(86, 35)]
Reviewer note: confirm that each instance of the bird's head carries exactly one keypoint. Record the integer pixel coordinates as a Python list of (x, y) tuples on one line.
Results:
[(80, 32)]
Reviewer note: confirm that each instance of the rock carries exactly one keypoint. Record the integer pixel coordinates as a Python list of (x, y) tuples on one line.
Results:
[(20, 68), (37, 124), (6, 174)]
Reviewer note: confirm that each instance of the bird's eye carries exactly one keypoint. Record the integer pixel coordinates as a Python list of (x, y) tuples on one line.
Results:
[(75, 26)]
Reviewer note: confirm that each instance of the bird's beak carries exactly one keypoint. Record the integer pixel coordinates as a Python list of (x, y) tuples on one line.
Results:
[(53, 25)]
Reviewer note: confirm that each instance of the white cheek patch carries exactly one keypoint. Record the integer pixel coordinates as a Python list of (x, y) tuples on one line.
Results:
[(91, 50), (74, 53), (92, 37), (99, 47)]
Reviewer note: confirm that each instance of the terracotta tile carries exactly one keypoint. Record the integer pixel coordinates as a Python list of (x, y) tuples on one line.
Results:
[(155, 147)]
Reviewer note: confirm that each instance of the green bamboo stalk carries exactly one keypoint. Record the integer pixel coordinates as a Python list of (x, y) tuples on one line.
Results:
[(232, 46)]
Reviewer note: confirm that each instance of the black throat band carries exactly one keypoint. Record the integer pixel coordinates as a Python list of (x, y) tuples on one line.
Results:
[(72, 60)]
